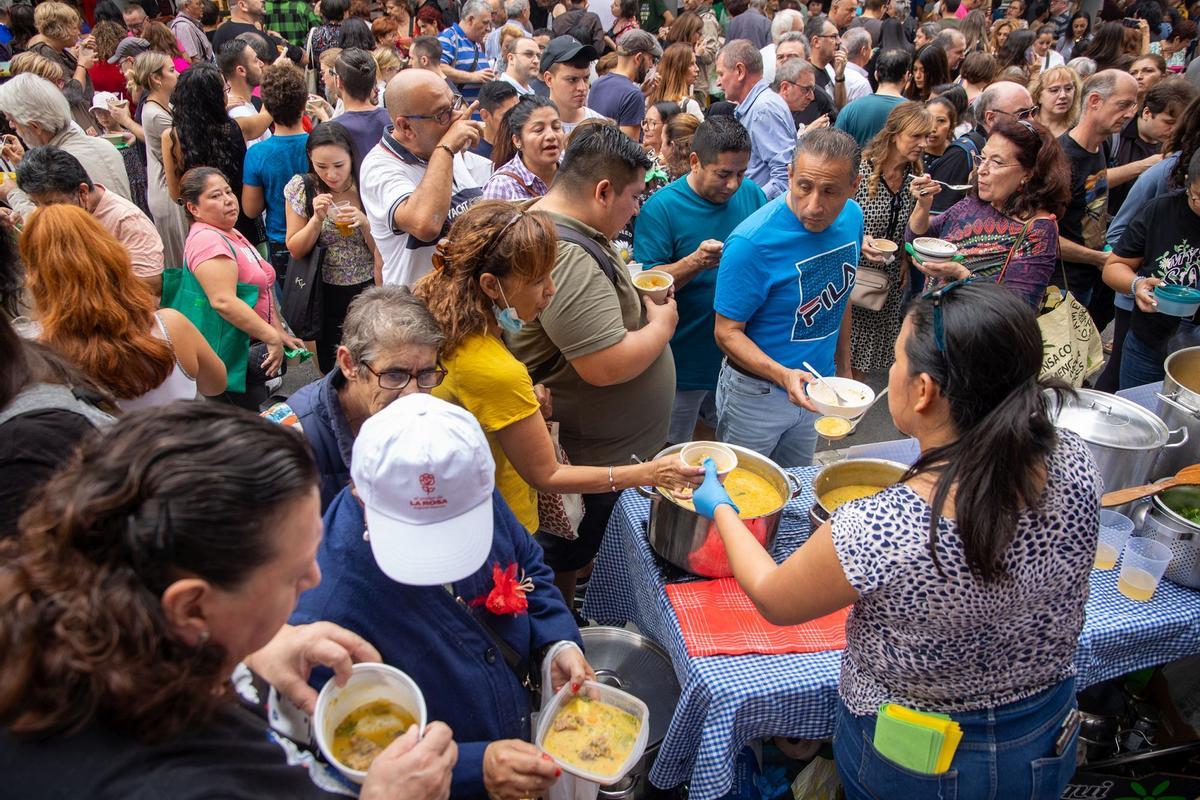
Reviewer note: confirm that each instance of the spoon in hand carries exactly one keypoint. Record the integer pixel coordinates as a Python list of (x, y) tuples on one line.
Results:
[(954, 187), (841, 401)]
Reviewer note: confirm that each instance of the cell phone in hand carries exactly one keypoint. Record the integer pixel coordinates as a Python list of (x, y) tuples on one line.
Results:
[(1131, 22)]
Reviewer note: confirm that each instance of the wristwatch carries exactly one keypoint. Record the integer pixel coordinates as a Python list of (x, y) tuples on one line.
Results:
[(840, 80)]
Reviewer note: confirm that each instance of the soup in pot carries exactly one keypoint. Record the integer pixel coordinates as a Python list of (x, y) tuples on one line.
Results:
[(834, 499), (751, 493)]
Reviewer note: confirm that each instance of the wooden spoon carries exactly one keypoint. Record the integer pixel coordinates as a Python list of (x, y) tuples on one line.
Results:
[(1188, 476)]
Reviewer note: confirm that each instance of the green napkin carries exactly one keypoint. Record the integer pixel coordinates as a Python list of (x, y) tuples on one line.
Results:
[(910, 745)]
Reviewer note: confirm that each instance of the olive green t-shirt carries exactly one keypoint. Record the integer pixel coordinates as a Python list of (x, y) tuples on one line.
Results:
[(598, 425)]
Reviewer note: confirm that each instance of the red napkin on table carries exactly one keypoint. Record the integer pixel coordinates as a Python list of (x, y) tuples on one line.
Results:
[(718, 619)]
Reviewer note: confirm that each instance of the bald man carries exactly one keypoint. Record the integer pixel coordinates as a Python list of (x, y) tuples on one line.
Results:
[(420, 175)]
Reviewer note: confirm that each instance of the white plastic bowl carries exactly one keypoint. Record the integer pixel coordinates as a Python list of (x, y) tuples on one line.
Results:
[(369, 682), (694, 453), (934, 248), (859, 394), (605, 694), (659, 295)]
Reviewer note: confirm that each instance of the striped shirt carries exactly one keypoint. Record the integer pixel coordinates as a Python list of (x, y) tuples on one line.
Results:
[(461, 53), (514, 181)]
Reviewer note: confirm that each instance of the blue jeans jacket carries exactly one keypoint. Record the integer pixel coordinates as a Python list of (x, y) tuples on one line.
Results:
[(423, 631)]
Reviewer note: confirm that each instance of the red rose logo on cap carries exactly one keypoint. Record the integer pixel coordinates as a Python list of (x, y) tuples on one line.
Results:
[(428, 482), (429, 486)]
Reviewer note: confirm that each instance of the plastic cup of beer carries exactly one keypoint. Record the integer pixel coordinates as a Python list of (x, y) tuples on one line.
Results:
[(343, 218), (1142, 567), (1114, 531)]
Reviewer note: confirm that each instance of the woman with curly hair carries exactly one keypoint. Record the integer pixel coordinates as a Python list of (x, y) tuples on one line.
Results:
[(108, 77), (492, 274), (890, 161), (1078, 36), (58, 34), (169, 551), (203, 135), (1005, 227), (1001, 30), (94, 311), (1056, 93)]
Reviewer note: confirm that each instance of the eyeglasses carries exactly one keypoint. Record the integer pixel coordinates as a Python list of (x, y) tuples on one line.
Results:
[(991, 163), (828, 36), (1021, 113), (395, 379), (810, 89), (936, 295), (442, 117)]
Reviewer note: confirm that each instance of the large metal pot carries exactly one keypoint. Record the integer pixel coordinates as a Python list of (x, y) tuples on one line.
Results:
[(691, 542), (639, 666), (1179, 406), (851, 472), (1125, 439), (1158, 519)]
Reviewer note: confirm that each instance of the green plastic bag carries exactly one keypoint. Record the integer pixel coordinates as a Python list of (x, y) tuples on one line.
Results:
[(182, 292)]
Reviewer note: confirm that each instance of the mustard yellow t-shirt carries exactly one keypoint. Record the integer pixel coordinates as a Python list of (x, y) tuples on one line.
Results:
[(487, 380)]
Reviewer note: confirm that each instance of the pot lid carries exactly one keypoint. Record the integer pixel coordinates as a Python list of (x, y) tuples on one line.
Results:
[(631, 662), (1106, 420)]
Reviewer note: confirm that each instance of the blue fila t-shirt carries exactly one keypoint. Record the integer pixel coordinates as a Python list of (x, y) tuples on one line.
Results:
[(788, 285)]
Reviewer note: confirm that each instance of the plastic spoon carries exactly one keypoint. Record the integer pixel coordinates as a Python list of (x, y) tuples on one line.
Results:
[(954, 187), (841, 401)]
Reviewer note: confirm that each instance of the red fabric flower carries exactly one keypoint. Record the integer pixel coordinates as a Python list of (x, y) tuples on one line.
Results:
[(508, 594)]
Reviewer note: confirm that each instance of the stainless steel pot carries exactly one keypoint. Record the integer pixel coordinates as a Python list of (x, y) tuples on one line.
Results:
[(1125, 439), (691, 542), (852, 472), (1158, 519), (1179, 406), (631, 662)]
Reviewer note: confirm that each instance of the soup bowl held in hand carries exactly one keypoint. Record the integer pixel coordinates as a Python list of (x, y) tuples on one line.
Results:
[(654, 284), (857, 396), (338, 710)]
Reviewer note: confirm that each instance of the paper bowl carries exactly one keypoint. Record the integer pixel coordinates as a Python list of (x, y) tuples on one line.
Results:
[(694, 453), (934, 249), (859, 394), (650, 283), (886, 246), (1178, 301), (833, 428), (369, 682)]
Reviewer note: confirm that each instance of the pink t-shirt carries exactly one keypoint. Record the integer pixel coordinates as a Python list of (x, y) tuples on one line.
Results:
[(205, 241)]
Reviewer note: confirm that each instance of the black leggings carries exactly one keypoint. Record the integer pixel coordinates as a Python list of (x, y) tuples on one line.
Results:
[(335, 300)]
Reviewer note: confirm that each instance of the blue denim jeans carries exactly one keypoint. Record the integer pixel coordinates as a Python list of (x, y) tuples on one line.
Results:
[(1139, 364), (1007, 753), (757, 414), (691, 405)]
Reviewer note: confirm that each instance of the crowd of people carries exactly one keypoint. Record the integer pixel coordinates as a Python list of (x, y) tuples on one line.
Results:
[(445, 205)]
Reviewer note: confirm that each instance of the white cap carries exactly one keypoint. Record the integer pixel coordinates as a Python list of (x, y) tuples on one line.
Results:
[(424, 471), (100, 100)]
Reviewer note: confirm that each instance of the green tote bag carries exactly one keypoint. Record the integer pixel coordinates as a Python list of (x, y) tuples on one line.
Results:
[(182, 292)]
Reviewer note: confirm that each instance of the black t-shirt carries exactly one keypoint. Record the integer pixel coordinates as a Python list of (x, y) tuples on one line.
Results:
[(822, 103), (233, 757), (32, 448), (1086, 219), (1165, 234), (955, 166), (230, 30), (1129, 148)]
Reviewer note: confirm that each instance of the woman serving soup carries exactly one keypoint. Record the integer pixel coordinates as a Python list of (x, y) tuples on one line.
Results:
[(968, 579)]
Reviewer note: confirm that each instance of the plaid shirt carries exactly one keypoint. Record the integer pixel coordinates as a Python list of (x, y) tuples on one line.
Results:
[(291, 19), (502, 185)]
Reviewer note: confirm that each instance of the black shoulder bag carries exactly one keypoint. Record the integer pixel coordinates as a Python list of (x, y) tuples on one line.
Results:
[(303, 306)]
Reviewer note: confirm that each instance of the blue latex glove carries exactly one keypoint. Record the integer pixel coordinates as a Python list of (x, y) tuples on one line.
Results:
[(711, 493)]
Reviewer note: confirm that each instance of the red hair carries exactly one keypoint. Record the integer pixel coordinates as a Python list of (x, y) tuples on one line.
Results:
[(92, 308)]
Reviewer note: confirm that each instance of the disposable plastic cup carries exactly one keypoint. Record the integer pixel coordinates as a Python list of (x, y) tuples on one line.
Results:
[(343, 218), (1114, 531), (1142, 567)]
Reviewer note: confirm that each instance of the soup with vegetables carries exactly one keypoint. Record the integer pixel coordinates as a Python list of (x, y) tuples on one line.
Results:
[(592, 735), (836, 498), (367, 731), (652, 282)]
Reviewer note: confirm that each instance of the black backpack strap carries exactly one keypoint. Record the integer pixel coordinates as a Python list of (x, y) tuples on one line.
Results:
[(591, 247)]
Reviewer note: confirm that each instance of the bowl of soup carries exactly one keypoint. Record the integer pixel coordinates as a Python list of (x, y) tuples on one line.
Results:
[(849, 480), (694, 454), (597, 734), (355, 723), (654, 284), (855, 398)]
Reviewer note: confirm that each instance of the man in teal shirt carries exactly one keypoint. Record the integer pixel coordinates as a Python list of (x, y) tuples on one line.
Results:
[(680, 230)]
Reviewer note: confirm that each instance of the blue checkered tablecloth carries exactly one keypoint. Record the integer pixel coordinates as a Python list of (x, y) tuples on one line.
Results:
[(727, 701)]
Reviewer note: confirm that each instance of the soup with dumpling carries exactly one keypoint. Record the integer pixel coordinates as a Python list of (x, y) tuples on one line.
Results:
[(367, 731), (592, 735)]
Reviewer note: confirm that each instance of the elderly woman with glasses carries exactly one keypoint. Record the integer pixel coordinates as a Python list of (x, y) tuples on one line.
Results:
[(1005, 227), (389, 349)]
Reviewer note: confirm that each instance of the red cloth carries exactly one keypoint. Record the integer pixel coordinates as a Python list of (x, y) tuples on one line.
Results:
[(718, 619), (108, 78)]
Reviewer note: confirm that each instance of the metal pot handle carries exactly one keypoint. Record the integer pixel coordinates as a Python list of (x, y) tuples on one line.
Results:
[(1182, 441), (797, 487), (647, 492), (1170, 400)]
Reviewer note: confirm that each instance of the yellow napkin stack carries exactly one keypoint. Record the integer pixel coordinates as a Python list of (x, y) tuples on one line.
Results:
[(916, 740)]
